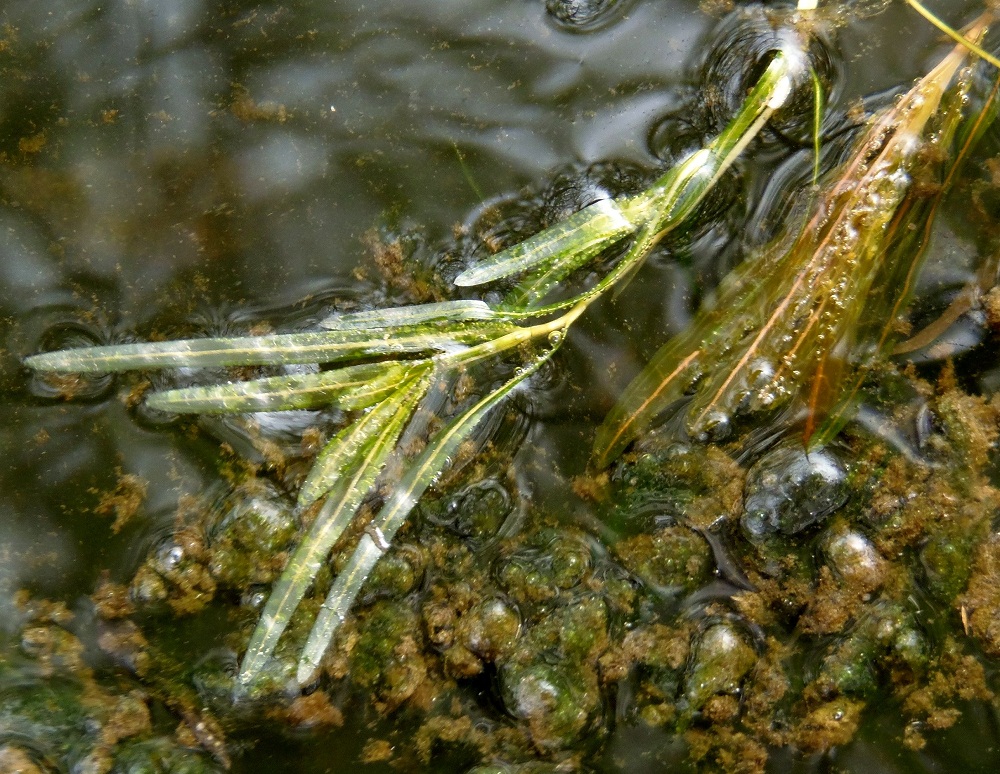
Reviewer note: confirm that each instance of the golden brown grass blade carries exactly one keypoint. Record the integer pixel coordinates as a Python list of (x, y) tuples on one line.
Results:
[(782, 324)]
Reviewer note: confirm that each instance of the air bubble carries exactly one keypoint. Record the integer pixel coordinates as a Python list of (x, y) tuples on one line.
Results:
[(761, 373), (788, 491), (715, 426)]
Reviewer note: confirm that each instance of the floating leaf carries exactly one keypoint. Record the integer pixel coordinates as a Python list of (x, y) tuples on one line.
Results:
[(417, 477), (353, 387), (363, 449), (278, 349)]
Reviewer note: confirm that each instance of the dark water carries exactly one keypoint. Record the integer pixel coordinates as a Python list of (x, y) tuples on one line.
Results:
[(177, 165)]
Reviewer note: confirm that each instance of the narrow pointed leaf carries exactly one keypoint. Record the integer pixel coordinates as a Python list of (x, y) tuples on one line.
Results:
[(547, 275), (424, 470), (353, 387), (562, 248), (366, 446), (523, 300), (278, 349), (785, 321)]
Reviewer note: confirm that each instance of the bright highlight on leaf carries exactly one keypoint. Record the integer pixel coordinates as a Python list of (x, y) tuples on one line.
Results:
[(404, 317), (580, 236)]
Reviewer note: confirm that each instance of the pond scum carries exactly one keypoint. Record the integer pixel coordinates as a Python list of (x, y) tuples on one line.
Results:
[(775, 568)]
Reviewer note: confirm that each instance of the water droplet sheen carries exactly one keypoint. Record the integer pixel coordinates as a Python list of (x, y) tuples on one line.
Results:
[(789, 490)]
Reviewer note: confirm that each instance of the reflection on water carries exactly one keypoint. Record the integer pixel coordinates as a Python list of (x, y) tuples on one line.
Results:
[(179, 167)]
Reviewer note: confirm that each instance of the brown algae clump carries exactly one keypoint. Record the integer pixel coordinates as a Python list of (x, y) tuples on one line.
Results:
[(559, 633), (58, 715)]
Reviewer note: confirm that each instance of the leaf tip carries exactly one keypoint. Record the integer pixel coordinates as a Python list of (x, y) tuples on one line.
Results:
[(604, 452), (306, 672), (48, 361), (468, 278)]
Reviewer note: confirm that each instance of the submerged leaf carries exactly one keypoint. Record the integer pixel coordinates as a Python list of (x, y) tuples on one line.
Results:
[(786, 321), (909, 246), (353, 387), (362, 449), (418, 476)]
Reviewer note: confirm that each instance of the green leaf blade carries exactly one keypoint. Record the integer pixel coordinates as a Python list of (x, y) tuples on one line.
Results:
[(368, 444), (578, 238), (279, 349), (352, 387)]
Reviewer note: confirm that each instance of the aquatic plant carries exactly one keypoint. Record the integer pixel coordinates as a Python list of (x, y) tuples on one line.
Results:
[(550, 256), (420, 350), (392, 367), (780, 332)]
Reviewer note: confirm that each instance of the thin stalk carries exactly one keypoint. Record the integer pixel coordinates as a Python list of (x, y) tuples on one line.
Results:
[(817, 121), (516, 338), (955, 35)]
